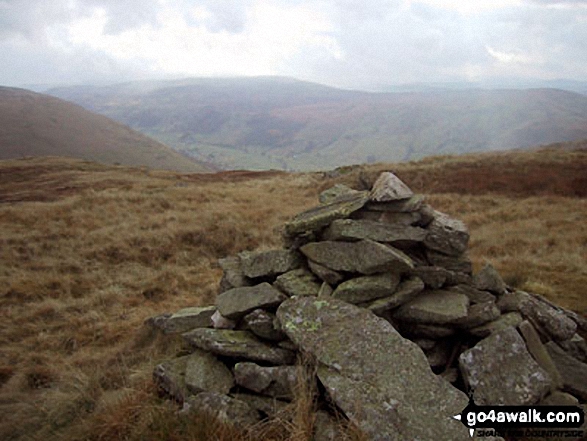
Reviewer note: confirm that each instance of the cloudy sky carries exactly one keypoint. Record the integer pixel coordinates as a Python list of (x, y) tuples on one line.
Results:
[(347, 43)]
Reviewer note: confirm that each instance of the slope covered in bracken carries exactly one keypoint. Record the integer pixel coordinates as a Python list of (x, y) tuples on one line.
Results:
[(88, 252)]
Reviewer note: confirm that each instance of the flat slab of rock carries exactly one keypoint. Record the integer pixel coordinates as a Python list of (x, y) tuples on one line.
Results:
[(349, 229), (298, 282), (552, 321), (226, 409), (457, 264), (238, 344), (479, 314), (412, 204), (268, 263), (365, 257), (573, 372), (406, 291), (264, 325), (332, 194), (437, 307), (540, 353), (169, 377), (366, 288), (500, 371), (326, 274), (232, 276), (276, 381), (388, 187), (319, 217), (205, 373), (447, 235), (502, 322), (381, 381), (237, 302), (189, 318)]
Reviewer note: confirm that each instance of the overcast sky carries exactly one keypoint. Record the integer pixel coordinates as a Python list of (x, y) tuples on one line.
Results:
[(347, 43)]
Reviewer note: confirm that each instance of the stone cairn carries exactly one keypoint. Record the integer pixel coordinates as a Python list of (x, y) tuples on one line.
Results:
[(377, 289)]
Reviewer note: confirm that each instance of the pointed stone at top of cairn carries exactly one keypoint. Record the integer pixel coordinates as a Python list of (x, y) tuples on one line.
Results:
[(388, 187)]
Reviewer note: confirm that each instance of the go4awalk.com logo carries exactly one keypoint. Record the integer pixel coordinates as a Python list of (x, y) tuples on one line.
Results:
[(529, 421)]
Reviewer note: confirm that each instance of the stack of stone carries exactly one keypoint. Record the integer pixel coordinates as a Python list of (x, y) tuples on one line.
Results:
[(376, 287)]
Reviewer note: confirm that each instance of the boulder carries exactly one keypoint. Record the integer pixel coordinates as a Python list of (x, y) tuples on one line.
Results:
[(366, 288), (298, 282), (381, 381), (189, 318), (365, 257), (573, 372), (319, 217), (264, 325), (500, 371), (437, 307), (447, 235), (349, 230), (239, 345), (225, 409), (550, 320), (406, 291), (488, 279), (276, 382), (237, 302), (510, 301), (232, 276), (205, 373), (388, 187), (268, 263)]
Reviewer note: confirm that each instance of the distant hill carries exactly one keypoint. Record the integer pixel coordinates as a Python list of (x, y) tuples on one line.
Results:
[(273, 122), (33, 124)]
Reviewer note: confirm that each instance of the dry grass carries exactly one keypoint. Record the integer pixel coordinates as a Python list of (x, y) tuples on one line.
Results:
[(88, 252)]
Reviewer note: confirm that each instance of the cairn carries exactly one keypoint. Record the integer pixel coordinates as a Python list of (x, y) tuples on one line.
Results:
[(377, 288)]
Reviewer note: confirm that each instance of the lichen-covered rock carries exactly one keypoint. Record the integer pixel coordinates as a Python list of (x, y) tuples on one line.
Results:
[(169, 377), (475, 295), (552, 321), (232, 276), (366, 288), (365, 257), (350, 229), (479, 314), (205, 373), (319, 217), (381, 381), (502, 322), (434, 277), (298, 282), (406, 291), (326, 274), (237, 302), (457, 264), (189, 318), (437, 307), (226, 409), (539, 352), (388, 187), (488, 279), (447, 235), (419, 330), (264, 325), (576, 347), (500, 371), (334, 193), (573, 372), (275, 381), (414, 203), (268, 263), (241, 345)]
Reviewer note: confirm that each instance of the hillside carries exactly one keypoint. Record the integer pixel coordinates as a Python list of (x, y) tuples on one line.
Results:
[(271, 122), (33, 124), (89, 251)]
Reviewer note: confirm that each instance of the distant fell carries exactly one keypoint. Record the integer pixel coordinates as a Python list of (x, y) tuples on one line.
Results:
[(274, 122), (33, 124)]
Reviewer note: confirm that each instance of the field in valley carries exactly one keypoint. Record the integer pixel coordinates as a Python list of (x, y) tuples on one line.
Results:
[(88, 252)]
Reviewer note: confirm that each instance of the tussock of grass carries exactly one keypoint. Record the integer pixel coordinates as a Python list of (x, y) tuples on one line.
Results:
[(88, 255)]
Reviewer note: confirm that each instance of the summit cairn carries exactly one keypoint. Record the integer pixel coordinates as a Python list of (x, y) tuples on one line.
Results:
[(377, 289)]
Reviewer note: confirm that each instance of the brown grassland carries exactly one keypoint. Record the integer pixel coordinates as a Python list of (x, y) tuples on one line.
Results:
[(88, 252)]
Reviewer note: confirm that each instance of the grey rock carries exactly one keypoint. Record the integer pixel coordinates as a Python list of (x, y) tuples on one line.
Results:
[(381, 381), (366, 288), (350, 229), (440, 353), (552, 321), (576, 347), (437, 307), (510, 301), (503, 322), (221, 322), (479, 314), (277, 381), (427, 214), (189, 318), (237, 344), (266, 405), (418, 330), (500, 371), (456, 264), (169, 377), (558, 398), (237, 302), (388, 187), (326, 428), (226, 409), (401, 219), (488, 279), (365, 257), (326, 274), (406, 291), (158, 321), (298, 282), (401, 206), (205, 373), (447, 235), (451, 375), (263, 324), (434, 277), (269, 263), (232, 276), (573, 372), (539, 353), (475, 295), (325, 290), (319, 217), (425, 344), (334, 193)]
